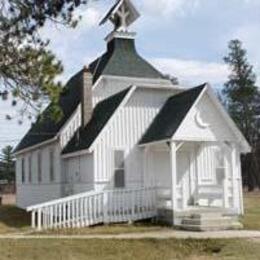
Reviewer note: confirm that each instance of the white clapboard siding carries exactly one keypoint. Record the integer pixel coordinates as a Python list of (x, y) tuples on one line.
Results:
[(91, 208)]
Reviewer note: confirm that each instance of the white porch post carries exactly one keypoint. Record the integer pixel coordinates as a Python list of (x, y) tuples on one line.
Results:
[(235, 165), (225, 180), (173, 160), (241, 201), (145, 165)]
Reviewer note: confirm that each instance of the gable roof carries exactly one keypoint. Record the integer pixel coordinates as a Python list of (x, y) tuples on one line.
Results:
[(83, 139), (45, 128), (171, 115), (122, 59)]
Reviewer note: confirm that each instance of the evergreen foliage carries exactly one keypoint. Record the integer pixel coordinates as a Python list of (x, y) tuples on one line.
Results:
[(28, 69), (242, 101)]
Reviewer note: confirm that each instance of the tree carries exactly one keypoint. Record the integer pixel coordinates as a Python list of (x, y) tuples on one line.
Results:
[(241, 97), (7, 164), (27, 68)]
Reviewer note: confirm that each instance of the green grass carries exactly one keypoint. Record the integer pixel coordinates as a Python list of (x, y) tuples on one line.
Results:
[(139, 227), (13, 219), (128, 249), (16, 220), (251, 219)]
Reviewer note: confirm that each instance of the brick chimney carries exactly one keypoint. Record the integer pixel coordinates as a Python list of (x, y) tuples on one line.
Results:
[(86, 97)]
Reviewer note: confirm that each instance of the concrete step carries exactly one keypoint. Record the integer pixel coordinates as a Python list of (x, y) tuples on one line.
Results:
[(207, 215), (219, 227), (209, 221)]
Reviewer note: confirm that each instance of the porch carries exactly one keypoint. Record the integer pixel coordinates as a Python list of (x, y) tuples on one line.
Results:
[(194, 177)]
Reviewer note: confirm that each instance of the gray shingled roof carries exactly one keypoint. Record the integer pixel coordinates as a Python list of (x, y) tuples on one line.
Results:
[(102, 113), (122, 59), (171, 116), (46, 128)]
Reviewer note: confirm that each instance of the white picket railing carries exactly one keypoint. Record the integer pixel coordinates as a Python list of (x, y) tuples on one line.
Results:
[(91, 208)]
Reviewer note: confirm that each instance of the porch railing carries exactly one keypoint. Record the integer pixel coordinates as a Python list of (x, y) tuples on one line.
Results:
[(91, 208)]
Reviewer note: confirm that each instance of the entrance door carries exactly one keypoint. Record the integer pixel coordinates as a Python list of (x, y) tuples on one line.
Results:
[(69, 183), (184, 178), (162, 169)]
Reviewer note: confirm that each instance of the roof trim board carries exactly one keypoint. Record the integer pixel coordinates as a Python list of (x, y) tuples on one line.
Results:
[(233, 127), (182, 103), (246, 146), (89, 149), (124, 101)]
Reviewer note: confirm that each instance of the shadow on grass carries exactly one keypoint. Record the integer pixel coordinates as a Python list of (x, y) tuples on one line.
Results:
[(13, 217)]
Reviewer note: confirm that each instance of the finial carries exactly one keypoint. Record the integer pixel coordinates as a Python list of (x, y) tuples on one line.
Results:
[(121, 15)]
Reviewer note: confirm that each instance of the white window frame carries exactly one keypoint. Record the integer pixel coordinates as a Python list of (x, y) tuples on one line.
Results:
[(39, 166), (217, 167), (23, 170), (30, 168), (51, 164), (117, 168)]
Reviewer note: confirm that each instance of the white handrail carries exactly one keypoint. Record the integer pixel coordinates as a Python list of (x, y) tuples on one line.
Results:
[(65, 199), (93, 207)]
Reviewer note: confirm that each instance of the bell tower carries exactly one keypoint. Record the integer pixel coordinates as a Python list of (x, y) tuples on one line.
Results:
[(121, 15)]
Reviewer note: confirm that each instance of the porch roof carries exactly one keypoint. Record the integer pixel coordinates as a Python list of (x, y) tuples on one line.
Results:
[(171, 115)]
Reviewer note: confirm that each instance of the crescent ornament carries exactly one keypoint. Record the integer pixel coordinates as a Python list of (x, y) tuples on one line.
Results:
[(200, 121)]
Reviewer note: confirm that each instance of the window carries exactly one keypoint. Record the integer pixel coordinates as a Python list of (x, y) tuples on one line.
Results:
[(119, 169), (23, 171), (220, 167), (39, 163), (51, 161), (30, 168)]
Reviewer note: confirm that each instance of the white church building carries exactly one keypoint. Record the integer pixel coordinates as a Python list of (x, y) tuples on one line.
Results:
[(131, 146)]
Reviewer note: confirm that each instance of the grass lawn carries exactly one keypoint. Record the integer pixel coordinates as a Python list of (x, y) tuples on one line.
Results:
[(251, 220), (128, 249), (15, 220)]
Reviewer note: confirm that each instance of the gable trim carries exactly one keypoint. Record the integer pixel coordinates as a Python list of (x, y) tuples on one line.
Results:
[(91, 148), (163, 126), (125, 100), (241, 138), (246, 148), (34, 147)]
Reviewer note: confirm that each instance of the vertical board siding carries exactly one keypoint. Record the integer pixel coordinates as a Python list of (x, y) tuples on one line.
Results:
[(70, 127), (124, 132), (29, 193), (79, 174), (109, 86)]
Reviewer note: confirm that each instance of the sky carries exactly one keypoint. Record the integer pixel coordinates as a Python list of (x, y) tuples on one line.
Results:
[(184, 38)]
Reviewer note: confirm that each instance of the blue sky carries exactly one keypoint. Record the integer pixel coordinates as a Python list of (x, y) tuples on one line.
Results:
[(186, 38)]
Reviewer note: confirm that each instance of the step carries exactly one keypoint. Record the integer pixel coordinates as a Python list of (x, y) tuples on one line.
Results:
[(219, 227), (207, 215), (210, 221)]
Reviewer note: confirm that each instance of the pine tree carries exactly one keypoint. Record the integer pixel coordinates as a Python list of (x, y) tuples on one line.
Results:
[(241, 97), (28, 69), (7, 162)]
